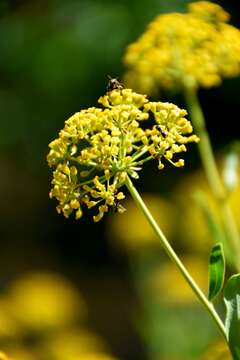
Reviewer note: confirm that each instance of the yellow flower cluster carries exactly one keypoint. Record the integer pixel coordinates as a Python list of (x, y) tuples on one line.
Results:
[(180, 50), (99, 147)]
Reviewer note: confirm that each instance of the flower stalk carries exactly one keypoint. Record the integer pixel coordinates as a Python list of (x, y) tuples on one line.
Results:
[(212, 173), (173, 256)]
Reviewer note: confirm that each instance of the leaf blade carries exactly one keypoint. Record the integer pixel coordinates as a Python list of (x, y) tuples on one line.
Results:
[(232, 321), (216, 271)]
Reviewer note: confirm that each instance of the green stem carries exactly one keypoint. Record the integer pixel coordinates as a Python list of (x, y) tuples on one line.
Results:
[(83, 163), (122, 148), (212, 173), (141, 162), (173, 256), (91, 180), (140, 153)]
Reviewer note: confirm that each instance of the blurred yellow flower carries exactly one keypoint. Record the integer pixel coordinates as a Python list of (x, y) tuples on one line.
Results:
[(8, 326), (95, 356), (3, 356), (20, 353), (209, 11), (44, 300), (167, 273), (74, 344), (132, 232), (180, 50), (217, 351)]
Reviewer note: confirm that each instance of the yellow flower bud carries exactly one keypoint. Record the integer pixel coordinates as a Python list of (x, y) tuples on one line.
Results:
[(78, 214), (74, 204)]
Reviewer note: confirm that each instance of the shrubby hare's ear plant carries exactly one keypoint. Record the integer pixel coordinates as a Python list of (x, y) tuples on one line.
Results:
[(101, 149), (183, 52)]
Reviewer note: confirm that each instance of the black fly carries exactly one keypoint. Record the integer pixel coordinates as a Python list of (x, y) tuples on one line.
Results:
[(118, 208), (163, 133), (114, 84)]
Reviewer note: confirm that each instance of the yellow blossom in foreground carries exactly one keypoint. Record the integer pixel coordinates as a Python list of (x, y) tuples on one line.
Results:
[(99, 147), (180, 50)]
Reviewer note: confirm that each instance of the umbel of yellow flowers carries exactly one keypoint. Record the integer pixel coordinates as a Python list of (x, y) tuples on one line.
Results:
[(99, 147), (180, 50)]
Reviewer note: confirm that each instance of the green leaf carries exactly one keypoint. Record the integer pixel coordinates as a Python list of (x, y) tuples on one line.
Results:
[(216, 271), (232, 321)]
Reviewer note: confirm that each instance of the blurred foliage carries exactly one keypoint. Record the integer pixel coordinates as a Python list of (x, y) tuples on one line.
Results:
[(167, 302), (193, 229), (217, 351), (181, 217), (55, 57), (167, 273), (125, 235)]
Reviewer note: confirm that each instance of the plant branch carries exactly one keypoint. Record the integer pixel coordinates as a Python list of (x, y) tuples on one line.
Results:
[(173, 256), (212, 173)]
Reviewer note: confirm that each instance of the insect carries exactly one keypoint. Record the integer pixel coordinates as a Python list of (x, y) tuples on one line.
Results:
[(163, 133), (118, 208), (114, 84)]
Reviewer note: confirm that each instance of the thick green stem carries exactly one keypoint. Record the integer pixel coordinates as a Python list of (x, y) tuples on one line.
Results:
[(212, 173), (173, 256)]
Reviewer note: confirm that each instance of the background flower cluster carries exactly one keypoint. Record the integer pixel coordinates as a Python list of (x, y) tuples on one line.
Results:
[(192, 49)]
